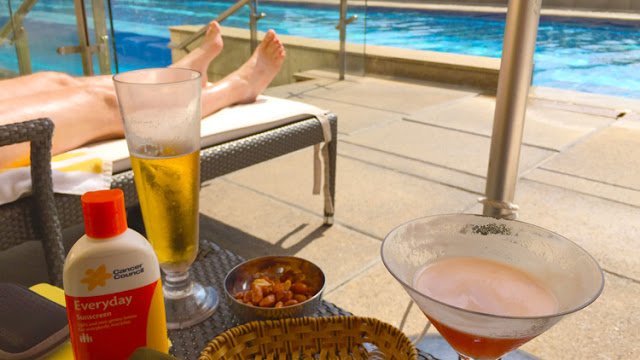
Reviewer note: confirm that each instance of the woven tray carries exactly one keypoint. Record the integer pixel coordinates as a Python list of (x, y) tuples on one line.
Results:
[(339, 337)]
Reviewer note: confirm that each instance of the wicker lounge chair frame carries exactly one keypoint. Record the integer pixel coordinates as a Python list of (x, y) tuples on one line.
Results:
[(43, 215)]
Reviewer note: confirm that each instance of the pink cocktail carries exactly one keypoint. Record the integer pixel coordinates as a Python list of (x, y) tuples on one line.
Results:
[(490, 285)]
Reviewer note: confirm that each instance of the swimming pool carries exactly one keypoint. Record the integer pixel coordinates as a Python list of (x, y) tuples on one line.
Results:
[(589, 56)]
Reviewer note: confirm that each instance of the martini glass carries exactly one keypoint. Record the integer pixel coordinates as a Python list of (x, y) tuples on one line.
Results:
[(566, 270)]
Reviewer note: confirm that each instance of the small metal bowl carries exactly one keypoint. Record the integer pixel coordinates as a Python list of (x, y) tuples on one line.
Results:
[(241, 277)]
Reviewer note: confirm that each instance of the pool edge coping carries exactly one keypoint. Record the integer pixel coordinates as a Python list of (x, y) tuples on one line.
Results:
[(595, 14)]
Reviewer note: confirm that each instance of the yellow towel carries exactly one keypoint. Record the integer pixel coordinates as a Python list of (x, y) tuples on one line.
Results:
[(74, 172), (64, 351)]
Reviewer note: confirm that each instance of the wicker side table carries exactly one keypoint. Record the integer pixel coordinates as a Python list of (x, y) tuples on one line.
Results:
[(211, 267)]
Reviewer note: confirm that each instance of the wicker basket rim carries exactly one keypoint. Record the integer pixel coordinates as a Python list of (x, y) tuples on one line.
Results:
[(230, 335)]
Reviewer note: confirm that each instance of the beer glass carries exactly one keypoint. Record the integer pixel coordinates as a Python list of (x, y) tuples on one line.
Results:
[(160, 109)]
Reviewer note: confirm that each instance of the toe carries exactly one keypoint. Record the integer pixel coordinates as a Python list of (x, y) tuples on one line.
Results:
[(269, 36), (214, 27)]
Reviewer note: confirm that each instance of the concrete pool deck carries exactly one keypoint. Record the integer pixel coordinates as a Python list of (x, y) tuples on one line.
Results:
[(408, 149)]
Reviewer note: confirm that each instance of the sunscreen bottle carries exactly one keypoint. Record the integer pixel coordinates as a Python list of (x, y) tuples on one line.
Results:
[(112, 285)]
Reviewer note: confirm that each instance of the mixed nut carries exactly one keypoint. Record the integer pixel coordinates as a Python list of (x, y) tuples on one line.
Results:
[(268, 290)]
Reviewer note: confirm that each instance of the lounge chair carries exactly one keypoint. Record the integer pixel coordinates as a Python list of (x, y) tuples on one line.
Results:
[(225, 148)]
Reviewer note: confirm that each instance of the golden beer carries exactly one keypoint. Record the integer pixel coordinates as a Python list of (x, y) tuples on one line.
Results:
[(168, 192), (160, 111)]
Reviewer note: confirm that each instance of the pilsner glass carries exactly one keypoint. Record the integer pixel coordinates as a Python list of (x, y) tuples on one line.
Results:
[(161, 113), (572, 276)]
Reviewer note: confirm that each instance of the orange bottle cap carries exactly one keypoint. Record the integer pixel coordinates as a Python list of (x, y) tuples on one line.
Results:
[(104, 213)]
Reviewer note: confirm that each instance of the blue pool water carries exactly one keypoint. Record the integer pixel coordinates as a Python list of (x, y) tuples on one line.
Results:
[(589, 56)]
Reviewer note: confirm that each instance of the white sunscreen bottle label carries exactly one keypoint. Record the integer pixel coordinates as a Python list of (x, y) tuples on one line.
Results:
[(100, 314), (112, 285)]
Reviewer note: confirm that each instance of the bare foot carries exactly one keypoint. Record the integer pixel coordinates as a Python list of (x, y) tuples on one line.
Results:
[(257, 73), (200, 58)]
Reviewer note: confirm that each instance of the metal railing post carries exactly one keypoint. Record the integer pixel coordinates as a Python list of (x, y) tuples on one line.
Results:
[(21, 43), (83, 37), (253, 24), (511, 101), (253, 18), (20, 36), (15, 21), (102, 37), (342, 55), (342, 27)]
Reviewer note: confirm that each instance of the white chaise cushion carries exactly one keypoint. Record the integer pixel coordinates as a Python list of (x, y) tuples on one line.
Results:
[(231, 123), (90, 168)]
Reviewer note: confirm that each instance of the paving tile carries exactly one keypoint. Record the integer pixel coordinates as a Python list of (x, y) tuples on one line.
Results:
[(586, 186), (377, 294), (402, 97), (584, 99), (369, 198), (251, 224), (611, 156), (444, 147), (630, 121), (607, 329), (544, 126), (457, 179), (352, 118), (295, 90), (608, 230), (561, 103)]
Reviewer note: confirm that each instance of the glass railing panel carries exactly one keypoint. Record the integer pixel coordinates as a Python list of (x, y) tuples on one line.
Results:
[(142, 35), (428, 42), (8, 59), (356, 37), (50, 24), (307, 29), (596, 54), (99, 22), (310, 33)]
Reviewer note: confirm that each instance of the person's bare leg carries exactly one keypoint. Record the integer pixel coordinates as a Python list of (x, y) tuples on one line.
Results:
[(47, 81), (87, 114), (81, 115), (246, 83), (34, 83), (200, 58)]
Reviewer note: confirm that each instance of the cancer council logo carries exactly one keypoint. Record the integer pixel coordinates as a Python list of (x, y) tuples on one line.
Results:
[(95, 278)]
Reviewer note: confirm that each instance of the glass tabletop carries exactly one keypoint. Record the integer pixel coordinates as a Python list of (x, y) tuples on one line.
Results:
[(211, 267)]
